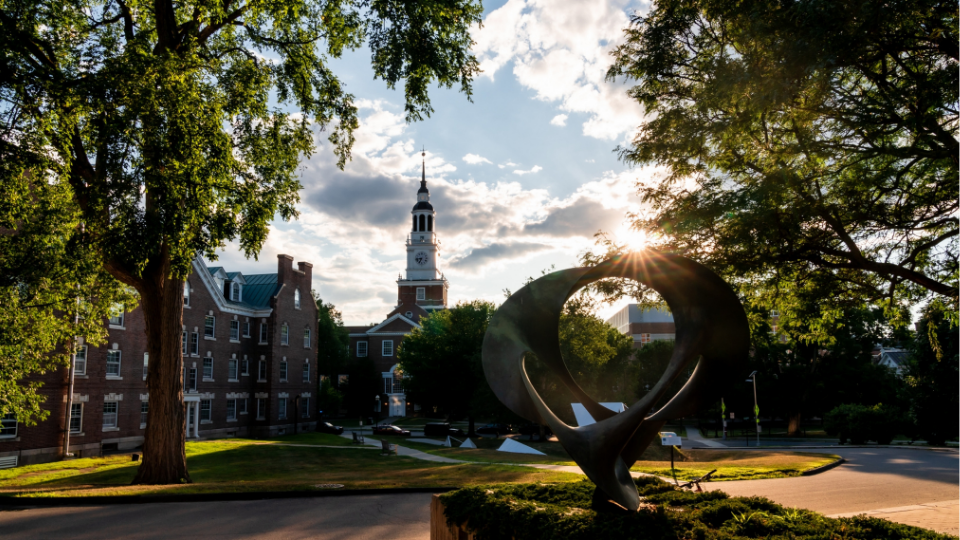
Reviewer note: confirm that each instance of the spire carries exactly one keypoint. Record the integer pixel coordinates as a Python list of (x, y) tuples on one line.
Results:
[(423, 177)]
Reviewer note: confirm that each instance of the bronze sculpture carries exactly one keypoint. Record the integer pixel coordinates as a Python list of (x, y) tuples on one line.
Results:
[(710, 325)]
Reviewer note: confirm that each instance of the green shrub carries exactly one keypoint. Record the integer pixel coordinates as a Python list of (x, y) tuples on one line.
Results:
[(551, 511), (860, 423)]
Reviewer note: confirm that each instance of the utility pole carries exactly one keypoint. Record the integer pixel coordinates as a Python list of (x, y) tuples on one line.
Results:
[(756, 408)]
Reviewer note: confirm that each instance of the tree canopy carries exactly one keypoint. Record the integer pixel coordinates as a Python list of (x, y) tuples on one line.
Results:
[(809, 148), (174, 127)]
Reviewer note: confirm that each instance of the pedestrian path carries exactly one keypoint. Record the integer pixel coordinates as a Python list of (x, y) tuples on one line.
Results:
[(693, 435), (940, 516)]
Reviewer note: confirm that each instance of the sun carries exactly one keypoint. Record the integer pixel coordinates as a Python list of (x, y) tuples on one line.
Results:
[(633, 239)]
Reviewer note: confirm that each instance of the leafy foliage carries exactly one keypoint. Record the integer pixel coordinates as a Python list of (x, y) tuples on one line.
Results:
[(861, 423), (809, 148), (932, 376), (546, 511), (332, 339)]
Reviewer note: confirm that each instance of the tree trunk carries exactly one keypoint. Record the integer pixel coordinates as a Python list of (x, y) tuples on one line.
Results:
[(793, 424), (164, 454)]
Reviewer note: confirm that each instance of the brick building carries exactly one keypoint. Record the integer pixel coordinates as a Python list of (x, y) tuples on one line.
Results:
[(250, 368), (644, 325), (421, 291)]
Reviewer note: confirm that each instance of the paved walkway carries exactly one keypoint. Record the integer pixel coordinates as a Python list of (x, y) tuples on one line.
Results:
[(695, 439), (939, 516)]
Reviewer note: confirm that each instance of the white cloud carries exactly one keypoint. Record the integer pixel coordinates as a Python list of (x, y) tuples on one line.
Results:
[(560, 50), (535, 169), (474, 159), (559, 120)]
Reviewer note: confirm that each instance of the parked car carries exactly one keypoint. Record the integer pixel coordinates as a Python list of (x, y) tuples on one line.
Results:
[(533, 430), (495, 429), (441, 429), (327, 427), (385, 429)]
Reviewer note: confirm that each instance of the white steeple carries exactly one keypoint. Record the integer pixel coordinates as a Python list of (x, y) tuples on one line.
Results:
[(423, 249)]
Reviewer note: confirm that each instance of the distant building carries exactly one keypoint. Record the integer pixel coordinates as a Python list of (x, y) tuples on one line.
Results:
[(420, 292), (644, 325), (892, 358), (250, 369)]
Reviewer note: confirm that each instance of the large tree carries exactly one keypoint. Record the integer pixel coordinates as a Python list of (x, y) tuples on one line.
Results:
[(179, 126), (808, 147)]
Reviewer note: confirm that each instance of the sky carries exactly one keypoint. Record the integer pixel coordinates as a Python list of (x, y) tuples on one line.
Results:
[(521, 179)]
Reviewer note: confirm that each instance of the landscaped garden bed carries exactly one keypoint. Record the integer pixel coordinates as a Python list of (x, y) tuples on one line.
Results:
[(551, 511)]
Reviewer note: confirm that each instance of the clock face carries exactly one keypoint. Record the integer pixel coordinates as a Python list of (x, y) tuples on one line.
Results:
[(421, 257)]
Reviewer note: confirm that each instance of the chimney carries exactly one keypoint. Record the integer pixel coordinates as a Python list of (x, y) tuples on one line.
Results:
[(284, 268), (307, 269)]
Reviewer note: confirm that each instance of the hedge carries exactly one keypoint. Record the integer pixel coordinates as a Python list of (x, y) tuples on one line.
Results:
[(861, 423), (555, 511)]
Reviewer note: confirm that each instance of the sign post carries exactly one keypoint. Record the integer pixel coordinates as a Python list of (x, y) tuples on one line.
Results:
[(672, 440)]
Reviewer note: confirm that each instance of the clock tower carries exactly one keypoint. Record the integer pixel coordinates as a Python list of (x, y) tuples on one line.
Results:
[(424, 284)]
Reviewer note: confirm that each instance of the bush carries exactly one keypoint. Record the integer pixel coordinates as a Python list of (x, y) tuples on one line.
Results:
[(860, 423), (551, 511)]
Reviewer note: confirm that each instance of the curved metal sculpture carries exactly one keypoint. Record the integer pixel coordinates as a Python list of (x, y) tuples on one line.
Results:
[(710, 325)]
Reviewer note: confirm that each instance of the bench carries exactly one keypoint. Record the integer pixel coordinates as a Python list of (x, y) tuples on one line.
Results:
[(696, 483), (357, 439), (387, 448)]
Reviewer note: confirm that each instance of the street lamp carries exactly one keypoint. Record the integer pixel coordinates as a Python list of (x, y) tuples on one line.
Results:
[(756, 409)]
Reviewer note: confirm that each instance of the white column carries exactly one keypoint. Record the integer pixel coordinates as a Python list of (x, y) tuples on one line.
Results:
[(196, 420)]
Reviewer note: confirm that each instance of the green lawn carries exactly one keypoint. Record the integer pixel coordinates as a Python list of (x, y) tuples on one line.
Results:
[(241, 465)]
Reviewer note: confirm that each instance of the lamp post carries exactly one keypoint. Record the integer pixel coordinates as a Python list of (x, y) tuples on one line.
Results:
[(756, 409)]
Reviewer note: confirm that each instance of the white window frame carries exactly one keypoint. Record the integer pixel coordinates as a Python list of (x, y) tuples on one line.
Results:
[(306, 338), (231, 410), (212, 327), (192, 381), (186, 294), (283, 371), (386, 350), (242, 406), (206, 409), (246, 329), (78, 417), (285, 334), (296, 299), (233, 369), (115, 415), (118, 363), (80, 361), (5, 429), (421, 293), (262, 371), (261, 408), (194, 344), (144, 413), (282, 409), (146, 364), (207, 362), (234, 330), (117, 322), (306, 371), (245, 367), (362, 349), (263, 333), (185, 342), (236, 292), (305, 413)]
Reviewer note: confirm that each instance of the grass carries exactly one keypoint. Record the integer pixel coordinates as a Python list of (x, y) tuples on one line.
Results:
[(238, 465), (730, 464)]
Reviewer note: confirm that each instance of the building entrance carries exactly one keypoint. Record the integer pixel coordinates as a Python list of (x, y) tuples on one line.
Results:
[(398, 405)]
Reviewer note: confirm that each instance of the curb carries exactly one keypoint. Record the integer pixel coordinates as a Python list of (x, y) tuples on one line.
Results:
[(9, 503), (830, 446), (823, 468)]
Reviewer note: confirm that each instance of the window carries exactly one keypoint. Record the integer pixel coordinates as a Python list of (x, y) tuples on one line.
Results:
[(409, 314), (117, 318), (388, 347), (209, 322), (80, 361), (263, 332), (109, 414), (421, 293), (296, 299), (246, 329), (195, 344), (235, 330), (306, 407), (146, 362), (262, 371), (208, 368), (306, 371), (231, 409), (183, 342), (261, 408), (243, 406), (306, 338), (361, 349), (192, 380), (644, 339), (342, 380), (204, 410), (283, 371), (244, 366), (282, 408), (186, 294), (284, 334), (8, 426), (235, 292), (76, 418), (113, 363), (388, 385), (232, 370), (144, 409)]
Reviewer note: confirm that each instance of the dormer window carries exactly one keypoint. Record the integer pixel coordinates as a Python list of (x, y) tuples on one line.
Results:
[(236, 292)]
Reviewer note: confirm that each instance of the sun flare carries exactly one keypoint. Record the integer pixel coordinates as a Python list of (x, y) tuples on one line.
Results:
[(634, 240)]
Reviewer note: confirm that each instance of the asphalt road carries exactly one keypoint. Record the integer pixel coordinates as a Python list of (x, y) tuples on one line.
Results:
[(919, 487)]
